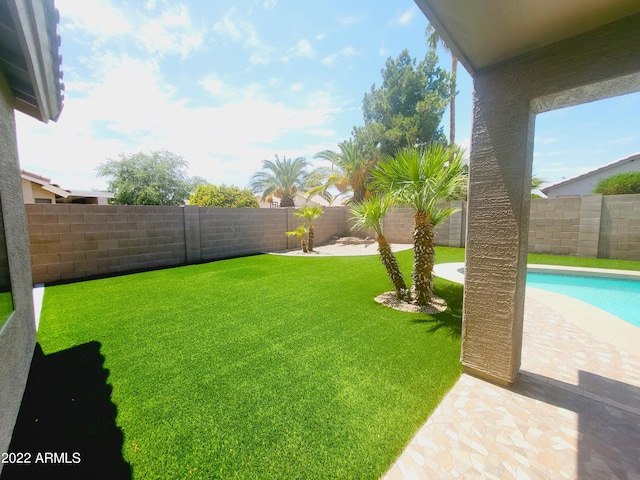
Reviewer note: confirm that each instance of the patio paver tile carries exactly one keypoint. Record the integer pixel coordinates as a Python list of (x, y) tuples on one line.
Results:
[(574, 412)]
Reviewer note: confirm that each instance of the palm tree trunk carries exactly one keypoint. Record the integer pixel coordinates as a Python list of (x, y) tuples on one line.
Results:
[(423, 258), (452, 105), (359, 194), (304, 245), (311, 236), (390, 262), (287, 201)]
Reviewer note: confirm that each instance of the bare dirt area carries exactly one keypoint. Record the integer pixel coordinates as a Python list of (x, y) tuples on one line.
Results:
[(390, 299)]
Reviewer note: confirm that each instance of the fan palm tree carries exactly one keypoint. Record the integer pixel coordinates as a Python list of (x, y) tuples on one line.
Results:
[(310, 214), (368, 214), (422, 178), (350, 171), (300, 232), (282, 178), (433, 40)]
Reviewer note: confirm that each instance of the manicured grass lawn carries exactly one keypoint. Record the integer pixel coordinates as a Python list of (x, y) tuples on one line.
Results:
[(584, 262), (6, 307), (447, 254), (258, 367)]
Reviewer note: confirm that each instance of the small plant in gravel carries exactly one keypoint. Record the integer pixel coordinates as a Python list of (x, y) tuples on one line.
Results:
[(301, 231), (310, 214)]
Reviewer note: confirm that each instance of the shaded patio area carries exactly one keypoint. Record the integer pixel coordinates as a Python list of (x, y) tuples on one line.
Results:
[(573, 412)]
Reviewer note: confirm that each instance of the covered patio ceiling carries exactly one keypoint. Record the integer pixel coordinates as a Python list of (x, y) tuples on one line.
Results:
[(482, 33)]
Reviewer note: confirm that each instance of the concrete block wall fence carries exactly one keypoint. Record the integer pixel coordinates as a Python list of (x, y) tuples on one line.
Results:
[(73, 242), (620, 227)]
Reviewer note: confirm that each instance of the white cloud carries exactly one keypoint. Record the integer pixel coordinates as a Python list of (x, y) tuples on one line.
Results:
[(130, 107), (297, 87), (405, 17), (322, 132), (269, 4), (230, 29), (171, 32), (348, 20), (346, 52), (214, 85), (94, 16), (302, 49), (244, 32), (150, 4), (617, 141)]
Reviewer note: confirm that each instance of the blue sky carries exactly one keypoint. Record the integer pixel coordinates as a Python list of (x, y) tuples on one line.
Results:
[(226, 84)]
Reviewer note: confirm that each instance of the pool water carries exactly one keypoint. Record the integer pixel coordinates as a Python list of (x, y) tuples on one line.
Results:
[(620, 297)]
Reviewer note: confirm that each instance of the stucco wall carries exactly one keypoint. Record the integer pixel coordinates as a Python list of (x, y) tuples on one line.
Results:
[(31, 191), (17, 335)]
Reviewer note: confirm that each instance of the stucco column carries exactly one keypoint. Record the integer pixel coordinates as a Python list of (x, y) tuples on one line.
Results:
[(497, 227)]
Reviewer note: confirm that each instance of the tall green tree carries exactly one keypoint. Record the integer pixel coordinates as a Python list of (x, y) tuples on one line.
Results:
[(406, 110), (223, 196), (282, 178), (157, 178), (350, 171), (422, 178), (369, 214), (433, 40)]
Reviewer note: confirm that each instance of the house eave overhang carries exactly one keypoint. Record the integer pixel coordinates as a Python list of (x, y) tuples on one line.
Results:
[(485, 33), (30, 58)]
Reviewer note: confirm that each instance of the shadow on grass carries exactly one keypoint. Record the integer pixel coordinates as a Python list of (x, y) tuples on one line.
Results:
[(449, 321), (67, 412)]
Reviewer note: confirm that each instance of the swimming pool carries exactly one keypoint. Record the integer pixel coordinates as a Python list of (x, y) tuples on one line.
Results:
[(619, 296)]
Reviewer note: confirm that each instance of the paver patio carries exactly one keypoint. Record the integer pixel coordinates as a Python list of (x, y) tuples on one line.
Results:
[(574, 412)]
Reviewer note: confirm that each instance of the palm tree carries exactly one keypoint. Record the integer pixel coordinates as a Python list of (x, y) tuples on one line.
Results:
[(282, 178), (310, 213), (422, 178), (368, 214), (300, 232), (350, 171), (433, 40)]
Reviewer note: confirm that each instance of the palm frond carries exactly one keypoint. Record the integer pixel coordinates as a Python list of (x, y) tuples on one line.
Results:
[(370, 213)]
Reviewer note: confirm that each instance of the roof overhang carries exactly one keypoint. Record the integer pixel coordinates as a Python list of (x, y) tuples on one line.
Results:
[(29, 56), (483, 33)]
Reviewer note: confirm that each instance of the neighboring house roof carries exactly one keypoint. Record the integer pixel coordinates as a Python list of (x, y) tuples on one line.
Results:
[(69, 196), (300, 201), (30, 58), (591, 177)]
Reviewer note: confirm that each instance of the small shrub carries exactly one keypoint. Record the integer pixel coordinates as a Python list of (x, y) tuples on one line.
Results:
[(620, 184)]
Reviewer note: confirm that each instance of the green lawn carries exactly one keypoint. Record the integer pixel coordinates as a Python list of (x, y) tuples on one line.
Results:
[(257, 367), (583, 262), (6, 307)]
